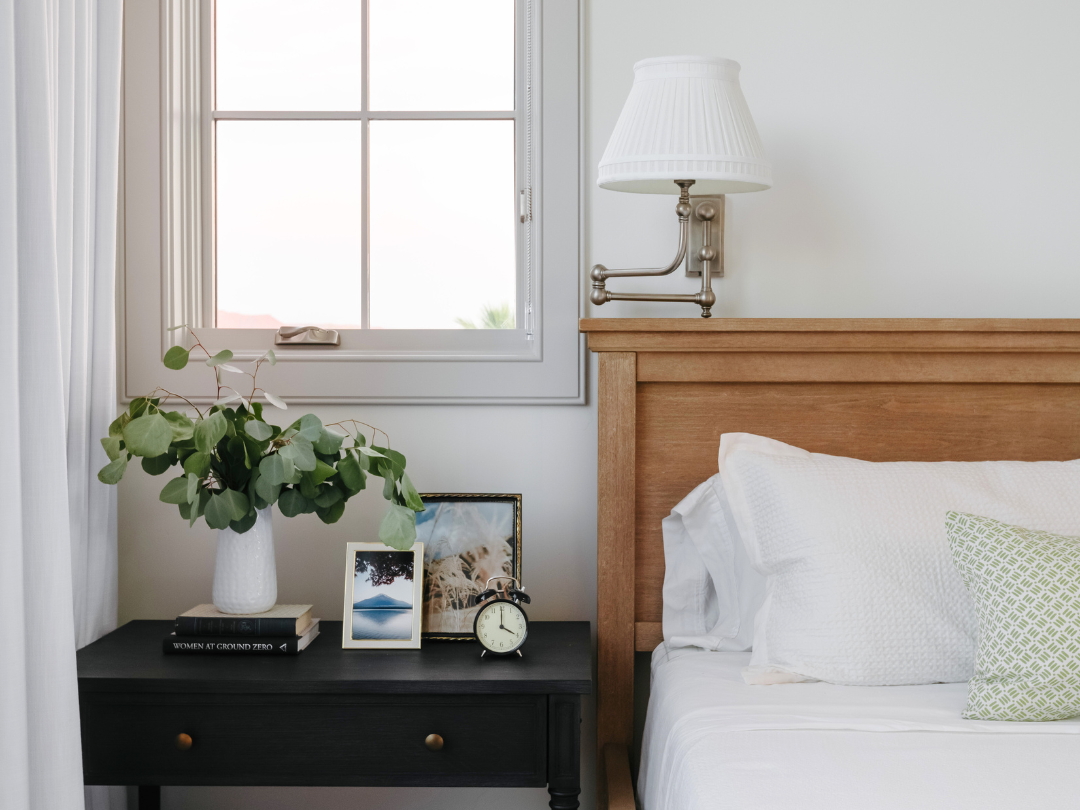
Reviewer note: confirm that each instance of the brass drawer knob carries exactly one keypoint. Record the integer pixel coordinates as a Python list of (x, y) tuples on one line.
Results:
[(434, 742), (183, 742)]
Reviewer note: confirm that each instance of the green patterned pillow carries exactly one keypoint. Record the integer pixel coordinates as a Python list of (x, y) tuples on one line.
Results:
[(1026, 588)]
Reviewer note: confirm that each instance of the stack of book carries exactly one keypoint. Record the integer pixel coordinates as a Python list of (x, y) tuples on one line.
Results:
[(282, 630)]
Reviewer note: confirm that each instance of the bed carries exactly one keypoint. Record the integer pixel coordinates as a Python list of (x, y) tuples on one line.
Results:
[(880, 390)]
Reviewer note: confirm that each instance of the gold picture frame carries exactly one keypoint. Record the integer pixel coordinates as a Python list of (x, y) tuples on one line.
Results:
[(453, 570), (383, 597)]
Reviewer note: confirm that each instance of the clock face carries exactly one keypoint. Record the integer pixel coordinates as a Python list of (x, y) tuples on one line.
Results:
[(501, 627)]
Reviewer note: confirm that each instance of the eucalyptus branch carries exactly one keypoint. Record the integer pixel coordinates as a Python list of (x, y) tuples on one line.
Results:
[(178, 396), (341, 425)]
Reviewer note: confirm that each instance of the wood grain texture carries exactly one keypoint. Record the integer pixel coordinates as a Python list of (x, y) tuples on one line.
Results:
[(615, 550), (876, 389), (680, 424), (620, 786), (647, 635), (696, 326), (857, 367)]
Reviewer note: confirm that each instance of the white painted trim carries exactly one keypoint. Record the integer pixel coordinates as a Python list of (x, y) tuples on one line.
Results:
[(489, 365)]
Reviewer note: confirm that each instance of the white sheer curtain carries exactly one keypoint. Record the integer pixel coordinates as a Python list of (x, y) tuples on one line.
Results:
[(59, 144)]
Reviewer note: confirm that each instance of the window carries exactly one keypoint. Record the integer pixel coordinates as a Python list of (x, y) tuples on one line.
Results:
[(372, 166), (318, 150)]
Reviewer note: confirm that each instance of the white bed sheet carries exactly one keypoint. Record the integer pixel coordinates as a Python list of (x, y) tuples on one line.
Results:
[(714, 743)]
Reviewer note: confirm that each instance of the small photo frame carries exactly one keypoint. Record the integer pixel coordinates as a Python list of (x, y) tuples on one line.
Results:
[(383, 590), (468, 538)]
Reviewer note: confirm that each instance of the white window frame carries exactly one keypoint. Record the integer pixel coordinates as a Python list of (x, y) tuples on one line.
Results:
[(541, 362)]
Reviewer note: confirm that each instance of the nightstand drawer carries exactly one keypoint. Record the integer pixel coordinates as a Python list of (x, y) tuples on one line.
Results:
[(281, 739)]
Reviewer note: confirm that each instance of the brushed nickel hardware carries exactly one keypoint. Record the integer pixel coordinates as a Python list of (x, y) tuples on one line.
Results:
[(434, 742), (707, 255), (306, 335), (697, 234), (183, 742)]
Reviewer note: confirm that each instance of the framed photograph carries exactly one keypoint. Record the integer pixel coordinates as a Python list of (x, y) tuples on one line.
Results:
[(467, 540), (383, 588)]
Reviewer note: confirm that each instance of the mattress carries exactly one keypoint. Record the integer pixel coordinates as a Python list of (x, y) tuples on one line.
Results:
[(712, 742)]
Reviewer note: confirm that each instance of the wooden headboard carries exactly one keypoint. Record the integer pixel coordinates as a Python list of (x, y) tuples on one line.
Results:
[(875, 389)]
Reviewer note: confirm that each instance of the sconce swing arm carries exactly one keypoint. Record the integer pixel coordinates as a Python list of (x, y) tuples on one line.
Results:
[(705, 298)]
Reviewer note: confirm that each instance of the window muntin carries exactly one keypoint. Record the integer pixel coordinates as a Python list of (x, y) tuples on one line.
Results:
[(436, 243)]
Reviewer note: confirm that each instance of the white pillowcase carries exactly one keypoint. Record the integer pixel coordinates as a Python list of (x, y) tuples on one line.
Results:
[(711, 592), (860, 585)]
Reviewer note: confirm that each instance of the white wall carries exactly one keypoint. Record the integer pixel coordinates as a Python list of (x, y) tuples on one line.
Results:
[(925, 165)]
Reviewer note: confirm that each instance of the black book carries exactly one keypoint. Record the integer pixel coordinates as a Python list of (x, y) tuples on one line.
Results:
[(281, 620), (239, 645)]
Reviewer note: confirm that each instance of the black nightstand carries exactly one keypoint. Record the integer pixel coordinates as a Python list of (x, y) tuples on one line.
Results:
[(335, 717)]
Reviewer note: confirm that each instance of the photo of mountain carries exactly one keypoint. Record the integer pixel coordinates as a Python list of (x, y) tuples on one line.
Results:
[(382, 592)]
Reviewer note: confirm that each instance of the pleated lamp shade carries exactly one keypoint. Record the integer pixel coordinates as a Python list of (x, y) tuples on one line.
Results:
[(685, 119)]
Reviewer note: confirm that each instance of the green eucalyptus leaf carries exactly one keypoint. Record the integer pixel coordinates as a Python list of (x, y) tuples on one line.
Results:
[(267, 491), (398, 527), (178, 326), (300, 452), (176, 358), (370, 451), (238, 503), (224, 356), (180, 423), (148, 435), (273, 471), (158, 464), (198, 464), (112, 447), (389, 488), (192, 487), (292, 503), (395, 461), (210, 431), (409, 493), (260, 431), (310, 427), (351, 475), (328, 497), (307, 487), (218, 512), (246, 522), (271, 357), (333, 513), (175, 491), (329, 442), (321, 472), (277, 403), (116, 429), (225, 400), (112, 472), (138, 406)]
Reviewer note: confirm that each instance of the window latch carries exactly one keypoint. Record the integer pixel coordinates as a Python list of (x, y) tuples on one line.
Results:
[(306, 335)]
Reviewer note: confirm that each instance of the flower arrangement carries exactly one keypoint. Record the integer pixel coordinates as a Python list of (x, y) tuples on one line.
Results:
[(235, 463)]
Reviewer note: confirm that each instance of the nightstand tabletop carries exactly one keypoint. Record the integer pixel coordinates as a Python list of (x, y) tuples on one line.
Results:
[(557, 659)]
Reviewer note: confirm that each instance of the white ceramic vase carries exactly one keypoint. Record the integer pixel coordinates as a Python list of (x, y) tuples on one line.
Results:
[(245, 576)]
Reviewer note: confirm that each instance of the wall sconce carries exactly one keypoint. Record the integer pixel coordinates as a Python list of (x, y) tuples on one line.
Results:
[(685, 124)]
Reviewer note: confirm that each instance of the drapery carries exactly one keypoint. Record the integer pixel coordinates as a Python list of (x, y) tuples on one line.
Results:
[(59, 147)]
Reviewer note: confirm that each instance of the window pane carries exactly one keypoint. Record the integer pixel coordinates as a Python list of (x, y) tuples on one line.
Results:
[(442, 224), (439, 55), (288, 223), (288, 55)]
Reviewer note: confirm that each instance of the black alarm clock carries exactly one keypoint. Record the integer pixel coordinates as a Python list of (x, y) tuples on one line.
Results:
[(501, 625)]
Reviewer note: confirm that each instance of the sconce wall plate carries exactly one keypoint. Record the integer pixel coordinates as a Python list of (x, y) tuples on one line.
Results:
[(697, 235)]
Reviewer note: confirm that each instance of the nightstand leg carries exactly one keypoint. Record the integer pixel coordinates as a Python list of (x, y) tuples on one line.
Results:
[(564, 751), (149, 797)]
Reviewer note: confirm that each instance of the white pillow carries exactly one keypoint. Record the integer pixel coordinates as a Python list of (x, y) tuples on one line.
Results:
[(860, 585), (711, 592)]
